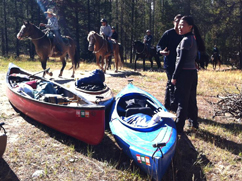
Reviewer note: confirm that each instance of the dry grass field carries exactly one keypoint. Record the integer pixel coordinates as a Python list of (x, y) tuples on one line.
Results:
[(214, 152)]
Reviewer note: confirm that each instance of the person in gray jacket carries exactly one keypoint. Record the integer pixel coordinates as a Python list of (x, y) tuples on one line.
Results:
[(185, 76), (52, 24), (106, 31)]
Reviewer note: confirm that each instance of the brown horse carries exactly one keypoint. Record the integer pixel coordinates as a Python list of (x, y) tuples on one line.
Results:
[(99, 46), (45, 48)]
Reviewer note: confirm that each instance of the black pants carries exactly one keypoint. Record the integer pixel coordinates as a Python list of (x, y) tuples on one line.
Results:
[(170, 102), (186, 92)]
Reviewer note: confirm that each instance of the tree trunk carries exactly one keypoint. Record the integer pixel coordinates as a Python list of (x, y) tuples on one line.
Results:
[(16, 28), (5, 29), (77, 30), (132, 31), (240, 52)]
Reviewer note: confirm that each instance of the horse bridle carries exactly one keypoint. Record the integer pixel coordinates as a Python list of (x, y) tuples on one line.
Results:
[(46, 31), (101, 46)]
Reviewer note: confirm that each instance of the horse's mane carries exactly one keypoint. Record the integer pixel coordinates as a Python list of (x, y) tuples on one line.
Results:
[(92, 33), (36, 27), (139, 42)]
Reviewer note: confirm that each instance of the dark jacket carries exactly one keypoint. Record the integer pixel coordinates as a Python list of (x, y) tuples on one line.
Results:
[(169, 39), (114, 35)]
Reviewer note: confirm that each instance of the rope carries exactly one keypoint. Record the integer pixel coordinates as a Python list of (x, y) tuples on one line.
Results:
[(47, 31), (141, 52)]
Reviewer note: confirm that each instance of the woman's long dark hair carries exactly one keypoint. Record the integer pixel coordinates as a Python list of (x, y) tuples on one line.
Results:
[(200, 42)]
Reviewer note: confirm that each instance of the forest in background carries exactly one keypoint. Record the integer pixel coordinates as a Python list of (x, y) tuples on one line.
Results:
[(219, 21)]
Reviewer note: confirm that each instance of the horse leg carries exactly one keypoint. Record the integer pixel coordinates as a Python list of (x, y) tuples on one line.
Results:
[(63, 60), (43, 64), (136, 58), (106, 61), (158, 62), (102, 62), (109, 60), (72, 53), (116, 59), (151, 63), (143, 63), (97, 61)]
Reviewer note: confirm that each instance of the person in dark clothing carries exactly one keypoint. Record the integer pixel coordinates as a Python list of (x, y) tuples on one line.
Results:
[(115, 34), (167, 47), (114, 37), (185, 76), (215, 50), (148, 39)]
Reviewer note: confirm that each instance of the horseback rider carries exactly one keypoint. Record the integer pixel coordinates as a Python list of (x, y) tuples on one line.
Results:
[(106, 31), (216, 51), (147, 40), (52, 24), (114, 34)]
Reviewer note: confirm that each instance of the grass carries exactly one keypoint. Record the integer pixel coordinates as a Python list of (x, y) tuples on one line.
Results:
[(217, 154)]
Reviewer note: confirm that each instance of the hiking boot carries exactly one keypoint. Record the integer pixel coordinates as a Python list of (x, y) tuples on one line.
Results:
[(192, 126)]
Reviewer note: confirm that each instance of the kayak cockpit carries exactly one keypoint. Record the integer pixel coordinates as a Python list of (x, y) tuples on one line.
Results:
[(136, 110)]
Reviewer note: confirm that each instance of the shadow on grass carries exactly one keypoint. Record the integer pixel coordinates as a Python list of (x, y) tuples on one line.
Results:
[(6, 173), (219, 141), (107, 150), (139, 66), (187, 161), (185, 165), (234, 128)]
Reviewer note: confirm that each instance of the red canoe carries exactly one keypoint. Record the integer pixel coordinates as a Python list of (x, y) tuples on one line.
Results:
[(65, 110)]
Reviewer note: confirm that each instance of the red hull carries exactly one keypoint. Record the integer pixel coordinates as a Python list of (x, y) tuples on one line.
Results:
[(85, 122)]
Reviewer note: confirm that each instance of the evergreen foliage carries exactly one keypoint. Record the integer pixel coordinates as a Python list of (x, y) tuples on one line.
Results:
[(219, 21)]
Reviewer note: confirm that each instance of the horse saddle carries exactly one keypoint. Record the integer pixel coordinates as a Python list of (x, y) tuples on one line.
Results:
[(65, 39)]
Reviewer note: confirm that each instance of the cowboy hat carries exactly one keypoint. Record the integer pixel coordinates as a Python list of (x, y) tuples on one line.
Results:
[(50, 11)]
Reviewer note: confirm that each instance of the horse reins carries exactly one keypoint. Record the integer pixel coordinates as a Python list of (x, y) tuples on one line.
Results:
[(47, 31), (100, 48), (141, 52)]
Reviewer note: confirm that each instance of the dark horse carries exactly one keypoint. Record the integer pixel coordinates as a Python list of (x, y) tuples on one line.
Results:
[(215, 60), (141, 51), (45, 48), (99, 45)]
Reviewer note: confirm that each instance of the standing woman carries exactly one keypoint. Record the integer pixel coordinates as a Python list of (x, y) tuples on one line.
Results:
[(185, 76)]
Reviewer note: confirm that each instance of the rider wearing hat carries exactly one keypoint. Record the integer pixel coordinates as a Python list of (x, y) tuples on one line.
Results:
[(148, 38), (114, 34), (106, 31), (52, 24)]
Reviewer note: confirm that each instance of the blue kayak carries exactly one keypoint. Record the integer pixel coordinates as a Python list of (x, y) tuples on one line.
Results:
[(151, 144)]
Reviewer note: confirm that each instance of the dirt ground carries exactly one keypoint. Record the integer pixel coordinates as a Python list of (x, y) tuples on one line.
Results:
[(32, 146)]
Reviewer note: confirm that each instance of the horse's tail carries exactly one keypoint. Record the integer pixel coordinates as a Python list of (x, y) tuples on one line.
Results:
[(76, 59), (121, 53)]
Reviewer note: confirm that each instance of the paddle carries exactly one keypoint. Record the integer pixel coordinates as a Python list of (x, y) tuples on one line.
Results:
[(46, 70)]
